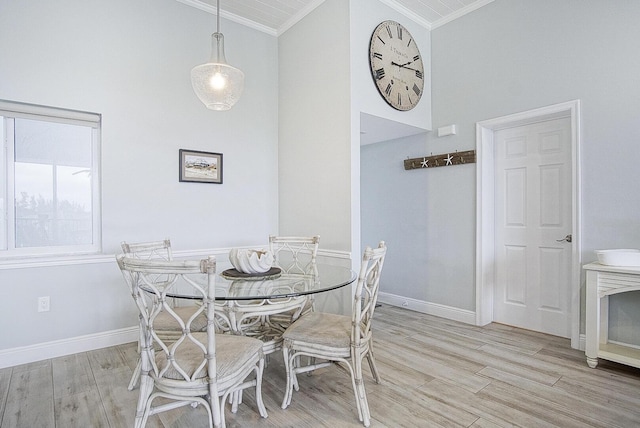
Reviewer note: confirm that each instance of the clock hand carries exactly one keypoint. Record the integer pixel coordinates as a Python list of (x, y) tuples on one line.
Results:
[(404, 65), (401, 65), (408, 68)]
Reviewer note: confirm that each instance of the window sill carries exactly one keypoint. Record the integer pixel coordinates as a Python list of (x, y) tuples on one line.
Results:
[(45, 261)]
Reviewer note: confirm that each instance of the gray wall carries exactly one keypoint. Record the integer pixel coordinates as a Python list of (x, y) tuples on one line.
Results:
[(506, 57), (516, 55), (430, 230), (314, 127), (130, 60)]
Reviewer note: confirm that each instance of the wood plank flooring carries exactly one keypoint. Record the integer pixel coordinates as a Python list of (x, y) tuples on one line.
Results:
[(436, 373)]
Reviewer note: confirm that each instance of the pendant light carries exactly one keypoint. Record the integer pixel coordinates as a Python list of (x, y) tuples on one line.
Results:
[(216, 83)]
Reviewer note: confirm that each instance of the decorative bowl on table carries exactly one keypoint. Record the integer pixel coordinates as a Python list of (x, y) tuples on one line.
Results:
[(251, 261), (619, 257)]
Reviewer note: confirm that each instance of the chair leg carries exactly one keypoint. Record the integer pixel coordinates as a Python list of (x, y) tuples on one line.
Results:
[(295, 364), (355, 389), (288, 366), (222, 423), (235, 398), (144, 401), (361, 394), (217, 407), (136, 372), (311, 362), (364, 405), (135, 376), (209, 410), (259, 372), (372, 364)]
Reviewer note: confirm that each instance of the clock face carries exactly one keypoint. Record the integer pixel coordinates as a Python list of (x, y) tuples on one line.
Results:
[(396, 65)]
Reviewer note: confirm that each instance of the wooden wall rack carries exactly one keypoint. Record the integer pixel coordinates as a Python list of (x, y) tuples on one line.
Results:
[(446, 159)]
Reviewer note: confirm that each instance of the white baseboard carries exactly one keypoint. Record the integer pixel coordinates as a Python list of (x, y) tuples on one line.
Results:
[(448, 312), (58, 348)]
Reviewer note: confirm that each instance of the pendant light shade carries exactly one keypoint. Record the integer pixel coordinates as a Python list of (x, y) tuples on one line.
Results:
[(217, 84)]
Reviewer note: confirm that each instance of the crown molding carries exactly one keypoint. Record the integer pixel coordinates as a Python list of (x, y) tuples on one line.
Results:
[(406, 12), (230, 16), (298, 16), (393, 4), (460, 12)]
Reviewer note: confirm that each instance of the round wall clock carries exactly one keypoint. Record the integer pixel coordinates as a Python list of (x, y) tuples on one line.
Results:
[(396, 65)]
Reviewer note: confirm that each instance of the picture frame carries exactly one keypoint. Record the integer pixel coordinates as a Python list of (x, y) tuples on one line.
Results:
[(200, 167)]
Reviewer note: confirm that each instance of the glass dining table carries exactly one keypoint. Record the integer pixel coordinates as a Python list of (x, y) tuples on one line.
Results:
[(274, 285), (263, 306)]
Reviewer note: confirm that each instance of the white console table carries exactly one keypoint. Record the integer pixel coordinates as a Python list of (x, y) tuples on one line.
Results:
[(602, 282)]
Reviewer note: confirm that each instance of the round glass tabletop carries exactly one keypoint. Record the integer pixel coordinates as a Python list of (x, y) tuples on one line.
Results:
[(273, 285)]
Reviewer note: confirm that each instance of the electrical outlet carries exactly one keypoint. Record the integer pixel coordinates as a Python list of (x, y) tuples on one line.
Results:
[(43, 304)]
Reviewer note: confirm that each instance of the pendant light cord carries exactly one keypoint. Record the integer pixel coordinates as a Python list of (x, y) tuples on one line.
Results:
[(217, 33), (217, 16)]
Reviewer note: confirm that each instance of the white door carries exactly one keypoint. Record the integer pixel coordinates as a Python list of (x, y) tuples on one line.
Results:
[(533, 216)]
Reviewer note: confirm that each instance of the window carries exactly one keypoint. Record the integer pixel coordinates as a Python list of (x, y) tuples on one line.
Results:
[(49, 181)]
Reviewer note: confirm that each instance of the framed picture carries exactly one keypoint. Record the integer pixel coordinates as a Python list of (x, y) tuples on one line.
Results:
[(200, 167)]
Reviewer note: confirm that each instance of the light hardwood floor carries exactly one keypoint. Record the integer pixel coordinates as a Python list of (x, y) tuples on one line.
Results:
[(436, 373)]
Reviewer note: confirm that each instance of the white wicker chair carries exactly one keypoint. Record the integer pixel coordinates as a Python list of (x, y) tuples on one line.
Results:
[(198, 367), (159, 250), (267, 319), (165, 325), (294, 255), (330, 338)]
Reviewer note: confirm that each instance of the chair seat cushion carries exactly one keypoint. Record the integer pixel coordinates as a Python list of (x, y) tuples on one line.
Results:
[(232, 353), (321, 329)]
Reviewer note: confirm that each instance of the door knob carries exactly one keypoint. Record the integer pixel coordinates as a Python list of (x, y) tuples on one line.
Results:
[(566, 238)]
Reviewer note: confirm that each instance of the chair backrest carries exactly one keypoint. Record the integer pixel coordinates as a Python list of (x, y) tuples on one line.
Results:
[(148, 250), (366, 294), (294, 254), (191, 355), (152, 250)]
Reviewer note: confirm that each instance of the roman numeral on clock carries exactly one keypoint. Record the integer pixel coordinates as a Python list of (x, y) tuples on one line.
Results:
[(416, 89), (388, 89), (379, 73), (377, 55), (419, 74)]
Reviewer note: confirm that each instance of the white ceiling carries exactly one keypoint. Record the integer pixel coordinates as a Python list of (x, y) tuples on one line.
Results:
[(276, 16)]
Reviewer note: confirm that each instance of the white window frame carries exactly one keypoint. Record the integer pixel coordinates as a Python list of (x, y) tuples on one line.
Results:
[(11, 110)]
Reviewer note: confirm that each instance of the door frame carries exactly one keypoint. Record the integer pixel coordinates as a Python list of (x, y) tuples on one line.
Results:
[(485, 207)]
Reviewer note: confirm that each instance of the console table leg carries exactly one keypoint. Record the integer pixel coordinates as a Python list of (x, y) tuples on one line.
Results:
[(592, 362)]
